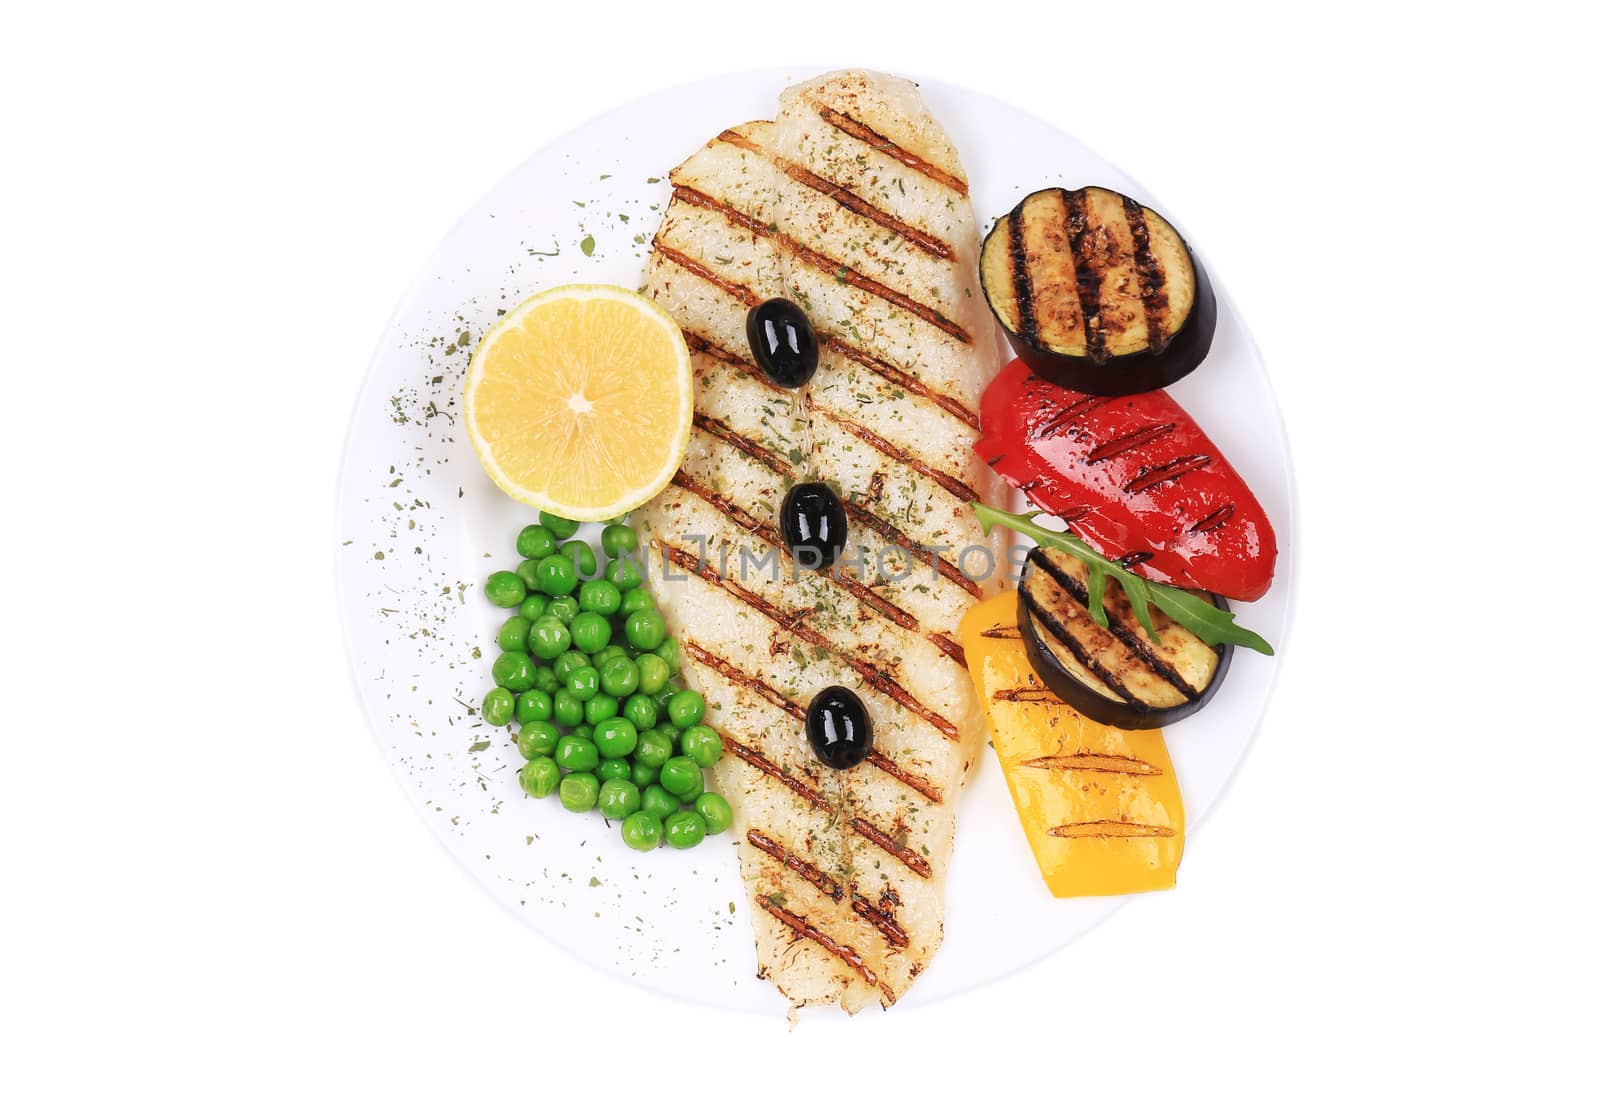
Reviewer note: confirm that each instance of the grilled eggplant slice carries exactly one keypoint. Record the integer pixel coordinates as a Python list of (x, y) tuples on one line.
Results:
[(1117, 676), (1098, 292)]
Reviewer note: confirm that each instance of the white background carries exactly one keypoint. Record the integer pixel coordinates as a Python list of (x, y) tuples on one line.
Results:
[(215, 899)]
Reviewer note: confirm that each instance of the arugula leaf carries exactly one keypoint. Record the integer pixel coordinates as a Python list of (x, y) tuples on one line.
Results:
[(1193, 612)]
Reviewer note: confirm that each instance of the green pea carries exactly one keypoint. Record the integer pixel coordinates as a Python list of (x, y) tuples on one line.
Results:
[(567, 708), (533, 705), (685, 829), (686, 708), (582, 556), (669, 652), (513, 635), (535, 541), (564, 607), (584, 731), (559, 526), (614, 768), (714, 809), (619, 677), (537, 738), (645, 629), (528, 571), (548, 638), (539, 776), (557, 576), (670, 732), (618, 799), (701, 744), (658, 801), (568, 662), (640, 711), (599, 596), (653, 748), (513, 670), (622, 572), (607, 654), (615, 737), (601, 707), (590, 631), (641, 830), (533, 606), (498, 706), (653, 673), (618, 539), (545, 679), (681, 776), (579, 791), (577, 755), (505, 589), (584, 682), (636, 599), (642, 774)]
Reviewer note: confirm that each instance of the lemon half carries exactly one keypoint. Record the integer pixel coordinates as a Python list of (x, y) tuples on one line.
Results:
[(580, 401)]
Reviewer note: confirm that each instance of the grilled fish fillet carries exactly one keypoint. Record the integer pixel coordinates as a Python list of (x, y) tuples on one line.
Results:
[(853, 204)]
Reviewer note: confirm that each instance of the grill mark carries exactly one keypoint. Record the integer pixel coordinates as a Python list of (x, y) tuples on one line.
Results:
[(715, 351), (1095, 762), (763, 764), (886, 924), (912, 859), (789, 706), (772, 695), (873, 675), (1135, 558), (1213, 521), (902, 379), (1154, 475), (841, 272), (806, 929), (1021, 281), (1094, 333), (1112, 828), (695, 267), (1152, 279), (850, 201), (1028, 694), (854, 586), (942, 565), (1068, 415), (1125, 635), (857, 130), (716, 428), (1132, 441), (948, 646), (1080, 653), (928, 790), (814, 876), (1002, 632), (952, 485)]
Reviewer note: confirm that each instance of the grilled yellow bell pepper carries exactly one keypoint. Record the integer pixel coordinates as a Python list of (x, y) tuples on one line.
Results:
[(1100, 806)]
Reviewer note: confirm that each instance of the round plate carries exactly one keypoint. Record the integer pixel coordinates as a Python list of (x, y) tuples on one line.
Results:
[(420, 525)]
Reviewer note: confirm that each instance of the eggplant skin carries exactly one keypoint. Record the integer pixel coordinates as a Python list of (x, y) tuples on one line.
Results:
[(1097, 292), (1116, 676)]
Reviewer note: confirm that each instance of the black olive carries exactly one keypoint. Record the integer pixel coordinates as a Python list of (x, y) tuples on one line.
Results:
[(839, 728), (813, 525), (782, 342)]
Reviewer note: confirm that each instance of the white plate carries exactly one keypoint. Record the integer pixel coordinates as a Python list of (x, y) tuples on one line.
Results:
[(421, 636)]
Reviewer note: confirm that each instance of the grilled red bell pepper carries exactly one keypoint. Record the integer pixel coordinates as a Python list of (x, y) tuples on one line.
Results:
[(1136, 478)]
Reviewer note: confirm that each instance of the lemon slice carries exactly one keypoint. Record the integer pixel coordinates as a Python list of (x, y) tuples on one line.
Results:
[(580, 401)]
